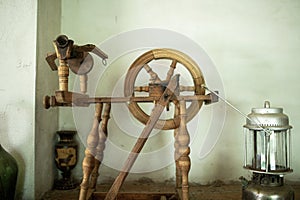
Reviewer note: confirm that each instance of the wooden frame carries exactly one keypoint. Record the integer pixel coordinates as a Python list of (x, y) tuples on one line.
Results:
[(161, 93)]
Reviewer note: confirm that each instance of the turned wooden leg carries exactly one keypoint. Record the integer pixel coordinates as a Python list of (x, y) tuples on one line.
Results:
[(87, 167), (184, 151), (95, 174), (101, 146), (88, 163), (176, 153)]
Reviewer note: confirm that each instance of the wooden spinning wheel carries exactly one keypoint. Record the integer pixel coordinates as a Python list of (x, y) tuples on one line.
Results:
[(156, 86), (160, 92)]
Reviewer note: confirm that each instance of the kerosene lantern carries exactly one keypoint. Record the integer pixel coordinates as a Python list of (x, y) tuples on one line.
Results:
[(267, 154)]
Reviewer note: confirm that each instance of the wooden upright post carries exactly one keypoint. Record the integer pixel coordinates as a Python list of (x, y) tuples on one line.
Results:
[(63, 75), (63, 47), (88, 163), (101, 145), (176, 146), (184, 151)]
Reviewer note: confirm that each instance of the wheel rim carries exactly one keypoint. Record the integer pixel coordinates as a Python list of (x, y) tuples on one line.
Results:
[(169, 54)]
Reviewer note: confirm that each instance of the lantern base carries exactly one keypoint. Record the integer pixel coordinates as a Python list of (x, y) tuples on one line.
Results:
[(267, 187)]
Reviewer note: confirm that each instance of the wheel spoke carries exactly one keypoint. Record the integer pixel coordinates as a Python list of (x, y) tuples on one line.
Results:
[(187, 88), (171, 70), (154, 76)]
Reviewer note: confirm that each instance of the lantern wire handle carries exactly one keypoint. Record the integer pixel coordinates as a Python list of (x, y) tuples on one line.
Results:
[(266, 130)]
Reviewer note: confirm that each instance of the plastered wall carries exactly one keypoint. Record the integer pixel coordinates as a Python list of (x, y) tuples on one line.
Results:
[(27, 131), (17, 109), (253, 44)]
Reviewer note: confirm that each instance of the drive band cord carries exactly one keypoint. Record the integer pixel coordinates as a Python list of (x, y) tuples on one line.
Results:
[(266, 130)]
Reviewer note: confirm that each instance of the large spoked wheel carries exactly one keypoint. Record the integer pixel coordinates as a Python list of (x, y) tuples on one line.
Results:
[(175, 57)]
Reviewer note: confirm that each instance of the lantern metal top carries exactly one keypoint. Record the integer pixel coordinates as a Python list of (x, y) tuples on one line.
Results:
[(267, 117)]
